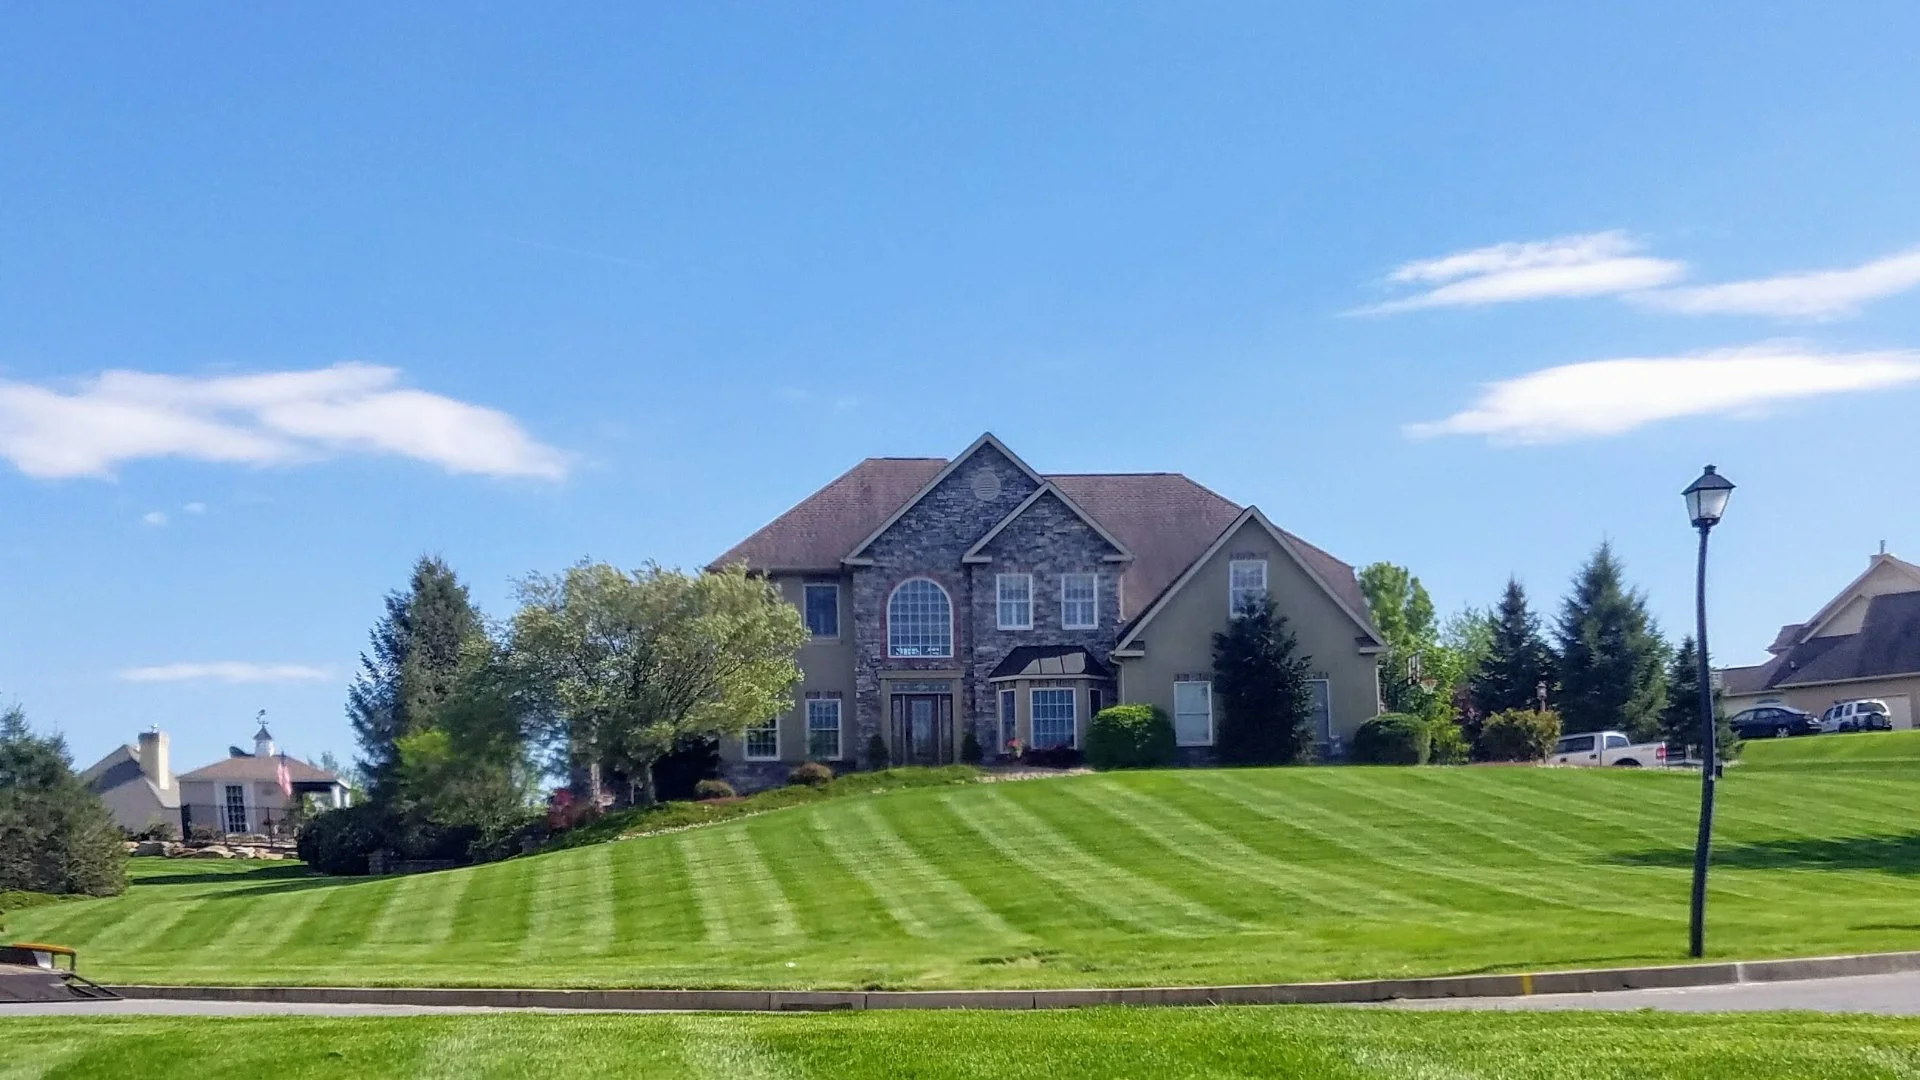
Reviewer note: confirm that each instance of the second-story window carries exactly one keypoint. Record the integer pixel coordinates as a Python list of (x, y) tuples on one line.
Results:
[(919, 620), (1079, 601), (1015, 595), (823, 610), (1246, 584)]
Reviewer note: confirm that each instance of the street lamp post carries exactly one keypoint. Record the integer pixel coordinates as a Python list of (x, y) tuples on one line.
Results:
[(1706, 503)]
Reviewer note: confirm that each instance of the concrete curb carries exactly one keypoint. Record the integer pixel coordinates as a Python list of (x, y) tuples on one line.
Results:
[(1592, 980)]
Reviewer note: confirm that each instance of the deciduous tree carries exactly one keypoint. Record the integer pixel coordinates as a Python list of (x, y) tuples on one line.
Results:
[(630, 665)]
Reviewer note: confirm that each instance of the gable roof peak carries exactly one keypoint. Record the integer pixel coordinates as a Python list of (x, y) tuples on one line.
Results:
[(1121, 552), (986, 439)]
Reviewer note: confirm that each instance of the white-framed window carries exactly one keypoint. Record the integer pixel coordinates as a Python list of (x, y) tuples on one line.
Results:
[(1009, 722), (823, 609), (1014, 595), (763, 741), (1320, 718), (236, 808), (1246, 581), (1193, 713), (1052, 718), (919, 619), (823, 729), (1079, 601)]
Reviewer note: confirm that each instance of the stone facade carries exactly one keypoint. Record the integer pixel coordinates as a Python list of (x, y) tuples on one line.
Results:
[(1046, 541), (928, 541)]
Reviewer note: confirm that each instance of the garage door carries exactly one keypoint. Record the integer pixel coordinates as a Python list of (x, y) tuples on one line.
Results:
[(1900, 710)]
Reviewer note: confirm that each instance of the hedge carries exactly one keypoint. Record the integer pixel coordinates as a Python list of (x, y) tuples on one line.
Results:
[(1130, 737), (1392, 739)]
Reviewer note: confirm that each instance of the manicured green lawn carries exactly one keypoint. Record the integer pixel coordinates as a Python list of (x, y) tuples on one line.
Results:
[(1327, 1044), (1220, 876), (1853, 750)]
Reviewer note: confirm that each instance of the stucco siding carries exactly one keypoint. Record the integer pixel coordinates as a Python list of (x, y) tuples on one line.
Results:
[(1179, 640), (826, 668)]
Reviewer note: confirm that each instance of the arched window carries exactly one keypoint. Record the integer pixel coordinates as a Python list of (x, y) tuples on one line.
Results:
[(919, 620)]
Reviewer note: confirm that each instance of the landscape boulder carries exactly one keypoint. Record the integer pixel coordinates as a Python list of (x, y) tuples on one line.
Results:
[(212, 851)]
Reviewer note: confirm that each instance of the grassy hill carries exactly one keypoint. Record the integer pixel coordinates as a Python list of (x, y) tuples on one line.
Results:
[(1145, 878)]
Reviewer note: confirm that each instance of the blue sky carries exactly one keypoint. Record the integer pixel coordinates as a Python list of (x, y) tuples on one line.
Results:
[(289, 296)]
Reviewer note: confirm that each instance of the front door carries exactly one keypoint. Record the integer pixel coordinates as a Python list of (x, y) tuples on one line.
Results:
[(922, 729)]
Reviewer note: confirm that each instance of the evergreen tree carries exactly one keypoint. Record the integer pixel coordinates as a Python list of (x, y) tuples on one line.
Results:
[(1680, 720), (1262, 685), (413, 665), (1612, 659), (1517, 660), (56, 836)]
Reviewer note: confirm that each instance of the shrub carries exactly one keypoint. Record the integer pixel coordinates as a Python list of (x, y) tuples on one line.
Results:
[(1130, 737), (811, 774), (877, 757), (339, 841), (56, 836), (158, 828), (1449, 743), (678, 775), (713, 789), (1519, 735), (1053, 757), (970, 751), (1392, 739)]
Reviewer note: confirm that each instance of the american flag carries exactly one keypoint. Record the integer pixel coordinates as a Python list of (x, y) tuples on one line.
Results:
[(285, 777)]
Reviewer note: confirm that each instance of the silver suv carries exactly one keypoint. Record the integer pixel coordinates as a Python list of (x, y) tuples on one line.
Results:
[(1865, 714)]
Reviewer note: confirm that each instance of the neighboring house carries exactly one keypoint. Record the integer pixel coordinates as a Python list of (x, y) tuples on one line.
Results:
[(979, 595), (243, 793), (137, 783), (1865, 643)]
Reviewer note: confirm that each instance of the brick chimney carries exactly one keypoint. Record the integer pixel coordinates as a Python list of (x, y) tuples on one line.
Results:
[(153, 758)]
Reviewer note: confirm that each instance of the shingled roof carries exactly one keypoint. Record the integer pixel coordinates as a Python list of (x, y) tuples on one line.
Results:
[(1887, 644), (1165, 519), (248, 767)]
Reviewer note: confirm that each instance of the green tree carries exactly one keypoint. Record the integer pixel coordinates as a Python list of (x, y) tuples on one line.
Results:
[(56, 836), (469, 772), (1517, 660), (1262, 685), (411, 667), (1680, 720), (1420, 668), (630, 665), (1612, 660)]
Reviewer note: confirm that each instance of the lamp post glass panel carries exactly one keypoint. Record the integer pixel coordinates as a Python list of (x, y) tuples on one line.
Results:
[(1706, 504)]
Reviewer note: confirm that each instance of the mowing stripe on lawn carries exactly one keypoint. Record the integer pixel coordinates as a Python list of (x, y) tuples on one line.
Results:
[(1186, 837), (1371, 842), (653, 894), (827, 904), (925, 902), (31, 1059), (573, 904), (738, 896), (1122, 895)]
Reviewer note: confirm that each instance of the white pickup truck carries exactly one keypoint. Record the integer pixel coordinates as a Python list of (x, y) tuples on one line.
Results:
[(1607, 748)]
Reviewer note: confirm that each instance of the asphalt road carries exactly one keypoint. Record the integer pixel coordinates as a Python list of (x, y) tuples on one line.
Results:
[(1887, 995)]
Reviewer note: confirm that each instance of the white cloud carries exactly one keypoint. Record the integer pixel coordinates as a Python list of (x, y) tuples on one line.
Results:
[(1823, 294), (1590, 264), (195, 508), (1607, 397), (228, 671), (269, 419), (154, 517)]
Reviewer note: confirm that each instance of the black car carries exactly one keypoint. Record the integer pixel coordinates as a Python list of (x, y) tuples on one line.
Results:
[(1774, 722)]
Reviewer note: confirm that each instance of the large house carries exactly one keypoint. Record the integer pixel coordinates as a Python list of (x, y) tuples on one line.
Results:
[(978, 595), (242, 793), (137, 783), (1864, 643)]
